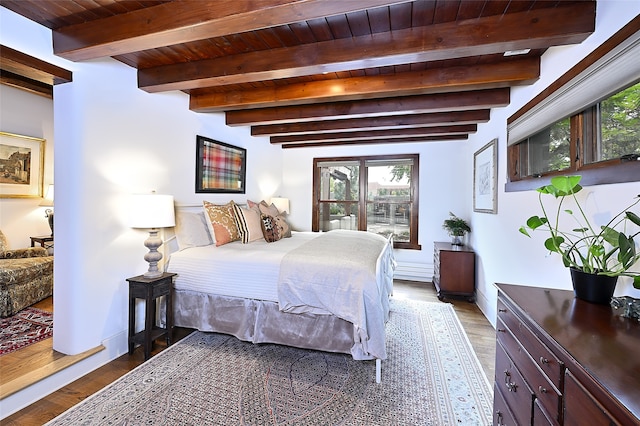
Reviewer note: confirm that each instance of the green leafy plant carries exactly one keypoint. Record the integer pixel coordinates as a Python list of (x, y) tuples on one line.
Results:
[(455, 226), (606, 250)]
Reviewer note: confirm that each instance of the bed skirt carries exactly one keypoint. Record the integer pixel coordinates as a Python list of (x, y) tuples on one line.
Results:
[(261, 321)]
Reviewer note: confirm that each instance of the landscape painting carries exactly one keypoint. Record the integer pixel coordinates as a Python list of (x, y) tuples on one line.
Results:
[(21, 166)]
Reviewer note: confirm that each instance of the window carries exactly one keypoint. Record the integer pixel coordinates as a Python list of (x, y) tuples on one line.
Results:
[(376, 194), (586, 122), (603, 134)]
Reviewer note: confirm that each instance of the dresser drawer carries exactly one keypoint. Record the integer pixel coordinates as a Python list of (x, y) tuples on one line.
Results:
[(550, 397), (542, 355), (581, 407), (516, 393), (502, 415), (540, 418)]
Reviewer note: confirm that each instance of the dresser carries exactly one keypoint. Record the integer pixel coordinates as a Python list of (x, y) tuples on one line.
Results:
[(564, 361), (454, 271)]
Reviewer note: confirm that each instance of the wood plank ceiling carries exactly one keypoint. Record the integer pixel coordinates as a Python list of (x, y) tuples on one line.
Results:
[(324, 72)]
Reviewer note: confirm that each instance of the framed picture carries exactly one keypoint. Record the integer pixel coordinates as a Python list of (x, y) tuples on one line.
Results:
[(485, 178), (21, 166), (220, 167)]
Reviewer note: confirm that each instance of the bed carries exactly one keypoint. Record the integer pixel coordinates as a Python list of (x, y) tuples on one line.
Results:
[(288, 292)]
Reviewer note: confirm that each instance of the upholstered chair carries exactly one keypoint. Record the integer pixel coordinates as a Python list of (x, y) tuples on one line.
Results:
[(26, 277)]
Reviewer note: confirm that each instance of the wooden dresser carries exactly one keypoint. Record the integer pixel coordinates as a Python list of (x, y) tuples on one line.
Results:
[(454, 270), (563, 361)]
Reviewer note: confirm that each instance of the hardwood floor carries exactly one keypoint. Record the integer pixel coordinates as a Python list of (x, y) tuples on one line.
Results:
[(481, 335)]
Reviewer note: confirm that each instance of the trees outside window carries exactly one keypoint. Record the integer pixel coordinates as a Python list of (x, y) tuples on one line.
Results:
[(375, 194)]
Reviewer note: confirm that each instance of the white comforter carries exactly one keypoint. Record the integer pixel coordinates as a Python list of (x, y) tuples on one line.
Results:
[(347, 274)]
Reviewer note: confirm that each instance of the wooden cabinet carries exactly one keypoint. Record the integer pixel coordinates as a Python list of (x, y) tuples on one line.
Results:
[(454, 271), (564, 361)]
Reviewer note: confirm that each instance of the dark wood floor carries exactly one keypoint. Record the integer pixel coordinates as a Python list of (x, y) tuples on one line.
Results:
[(481, 335)]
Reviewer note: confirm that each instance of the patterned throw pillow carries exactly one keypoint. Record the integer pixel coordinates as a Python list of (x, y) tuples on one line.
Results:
[(221, 222), (249, 224), (269, 229), (274, 228)]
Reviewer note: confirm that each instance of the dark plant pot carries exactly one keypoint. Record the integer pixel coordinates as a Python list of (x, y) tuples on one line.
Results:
[(593, 288)]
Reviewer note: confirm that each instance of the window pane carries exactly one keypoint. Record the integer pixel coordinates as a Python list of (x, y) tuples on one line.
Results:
[(338, 216), (619, 125), (389, 200), (339, 183), (549, 149)]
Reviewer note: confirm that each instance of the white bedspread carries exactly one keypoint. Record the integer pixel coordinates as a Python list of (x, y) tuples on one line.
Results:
[(238, 270), (342, 273)]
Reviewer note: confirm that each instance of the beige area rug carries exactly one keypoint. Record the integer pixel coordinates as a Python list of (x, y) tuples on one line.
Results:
[(432, 377)]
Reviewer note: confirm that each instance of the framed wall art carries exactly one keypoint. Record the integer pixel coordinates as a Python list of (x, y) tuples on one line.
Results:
[(485, 178), (220, 167), (21, 166)]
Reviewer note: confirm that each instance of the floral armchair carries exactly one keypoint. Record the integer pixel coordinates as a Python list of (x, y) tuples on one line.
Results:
[(26, 277)]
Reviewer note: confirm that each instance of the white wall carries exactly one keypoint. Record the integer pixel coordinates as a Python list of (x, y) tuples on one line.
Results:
[(505, 255), (27, 114)]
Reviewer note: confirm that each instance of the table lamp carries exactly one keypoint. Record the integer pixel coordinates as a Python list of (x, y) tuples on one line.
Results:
[(152, 211), (47, 201)]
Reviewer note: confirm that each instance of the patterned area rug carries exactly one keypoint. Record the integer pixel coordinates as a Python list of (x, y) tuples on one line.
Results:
[(28, 326), (432, 377)]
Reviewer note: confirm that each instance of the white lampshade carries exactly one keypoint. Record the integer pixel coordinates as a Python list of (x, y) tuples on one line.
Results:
[(151, 211), (281, 203), (47, 201)]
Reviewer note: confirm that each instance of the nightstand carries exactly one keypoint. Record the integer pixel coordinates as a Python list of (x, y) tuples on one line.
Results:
[(150, 289)]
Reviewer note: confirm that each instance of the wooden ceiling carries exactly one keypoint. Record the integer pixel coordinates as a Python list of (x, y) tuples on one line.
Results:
[(324, 72)]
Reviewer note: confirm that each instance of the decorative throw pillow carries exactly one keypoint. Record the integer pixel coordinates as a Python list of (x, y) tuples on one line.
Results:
[(222, 222), (264, 208), (269, 229), (283, 226), (192, 230), (248, 222)]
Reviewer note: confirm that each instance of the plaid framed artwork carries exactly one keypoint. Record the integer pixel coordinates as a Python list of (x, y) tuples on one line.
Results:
[(220, 167)]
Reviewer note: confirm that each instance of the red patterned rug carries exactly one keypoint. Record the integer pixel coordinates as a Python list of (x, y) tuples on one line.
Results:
[(28, 326)]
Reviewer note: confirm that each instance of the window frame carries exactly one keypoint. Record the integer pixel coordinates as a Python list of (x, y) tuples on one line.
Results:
[(412, 244), (612, 53), (593, 173)]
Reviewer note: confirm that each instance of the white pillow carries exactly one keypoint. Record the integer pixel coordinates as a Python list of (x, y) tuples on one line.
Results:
[(191, 230)]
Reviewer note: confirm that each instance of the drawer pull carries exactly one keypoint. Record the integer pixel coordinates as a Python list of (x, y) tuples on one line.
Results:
[(511, 387), (501, 330), (499, 418), (544, 360), (542, 390), (502, 310)]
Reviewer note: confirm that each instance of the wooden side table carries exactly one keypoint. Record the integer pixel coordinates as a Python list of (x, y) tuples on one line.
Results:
[(454, 271), (150, 289), (42, 240)]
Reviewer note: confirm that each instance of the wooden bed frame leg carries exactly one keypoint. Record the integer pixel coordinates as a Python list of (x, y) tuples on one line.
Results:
[(378, 370)]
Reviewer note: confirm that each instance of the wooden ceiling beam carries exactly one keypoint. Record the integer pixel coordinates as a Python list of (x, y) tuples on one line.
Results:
[(441, 102), (375, 123), (486, 76), (32, 68), (378, 142), (23, 83), (534, 29), (378, 134), (181, 22)]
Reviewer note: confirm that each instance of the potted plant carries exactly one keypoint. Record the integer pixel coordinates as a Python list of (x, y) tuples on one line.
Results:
[(596, 256), (457, 228)]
